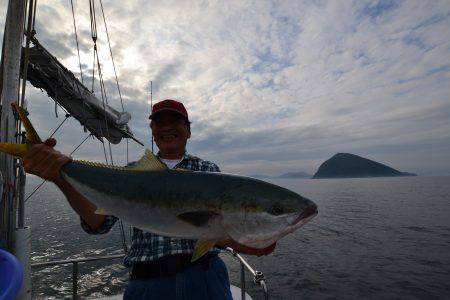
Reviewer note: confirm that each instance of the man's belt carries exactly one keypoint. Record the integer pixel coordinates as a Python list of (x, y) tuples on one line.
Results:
[(167, 266)]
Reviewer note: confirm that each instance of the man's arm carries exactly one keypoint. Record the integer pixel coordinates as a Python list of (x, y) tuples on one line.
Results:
[(44, 161), (81, 205)]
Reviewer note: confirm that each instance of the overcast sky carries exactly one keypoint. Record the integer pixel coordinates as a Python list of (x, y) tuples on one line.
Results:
[(271, 87)]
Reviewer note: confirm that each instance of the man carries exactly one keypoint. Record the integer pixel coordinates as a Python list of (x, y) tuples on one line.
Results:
[(160, 266)]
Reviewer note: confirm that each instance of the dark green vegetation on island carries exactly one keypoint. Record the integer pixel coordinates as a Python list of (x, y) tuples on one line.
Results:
[(346, 165)]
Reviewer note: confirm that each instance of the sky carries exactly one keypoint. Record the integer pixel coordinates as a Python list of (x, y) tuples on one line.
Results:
[(270, 86)]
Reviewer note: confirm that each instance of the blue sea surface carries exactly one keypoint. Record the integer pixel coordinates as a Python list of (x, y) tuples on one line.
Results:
[(373, 238)]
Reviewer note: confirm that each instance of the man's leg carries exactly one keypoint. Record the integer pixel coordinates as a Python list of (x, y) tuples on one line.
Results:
[(204, 282), (156, 288)]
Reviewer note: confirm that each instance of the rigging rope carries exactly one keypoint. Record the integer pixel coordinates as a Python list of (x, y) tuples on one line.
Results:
[(76, 148), (99, 68), (104, 100), (76, 39), (93, 20), (112, 57), (103, 91), (30, 28), (79, 64), (110, 154), (114, 68), (96, 61), (104, 151), (59, 126), (29, 33), (93, 69), (93, 35), (35, 190), (34, 17)]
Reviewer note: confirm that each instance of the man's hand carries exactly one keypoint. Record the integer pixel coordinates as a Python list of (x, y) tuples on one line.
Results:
[(44, 161), (229, 242)]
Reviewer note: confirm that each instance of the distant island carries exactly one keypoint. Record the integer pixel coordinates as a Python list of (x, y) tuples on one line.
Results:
[(285, 175), (346, 165)]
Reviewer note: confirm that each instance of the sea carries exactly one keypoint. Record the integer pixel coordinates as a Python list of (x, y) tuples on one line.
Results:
[(374, 238)]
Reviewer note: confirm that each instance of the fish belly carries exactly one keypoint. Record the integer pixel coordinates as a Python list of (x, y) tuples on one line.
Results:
[(255, 230)]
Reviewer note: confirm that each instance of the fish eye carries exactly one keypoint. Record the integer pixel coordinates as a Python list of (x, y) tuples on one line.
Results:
[(276, 210)]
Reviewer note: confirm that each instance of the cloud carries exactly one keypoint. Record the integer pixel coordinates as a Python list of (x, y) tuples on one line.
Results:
[(271, 87)]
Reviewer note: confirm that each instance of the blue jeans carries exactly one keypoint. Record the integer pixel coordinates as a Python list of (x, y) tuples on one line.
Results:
[(194, 283)]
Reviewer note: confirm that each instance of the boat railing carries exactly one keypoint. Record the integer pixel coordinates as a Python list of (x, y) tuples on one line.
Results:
[(75, 262), (258, 276)]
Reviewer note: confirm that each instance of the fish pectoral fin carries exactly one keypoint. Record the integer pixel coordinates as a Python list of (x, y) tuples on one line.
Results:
[(201, 248), (100, 211), (148, 162), (198, 218)]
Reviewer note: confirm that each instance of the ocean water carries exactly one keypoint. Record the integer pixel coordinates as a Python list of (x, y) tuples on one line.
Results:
[(373, 238)]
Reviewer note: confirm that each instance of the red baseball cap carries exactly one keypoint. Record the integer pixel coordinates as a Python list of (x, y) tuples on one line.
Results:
[(169, 105)]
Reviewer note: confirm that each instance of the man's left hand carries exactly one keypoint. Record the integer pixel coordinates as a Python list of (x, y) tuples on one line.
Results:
[(229, 242)]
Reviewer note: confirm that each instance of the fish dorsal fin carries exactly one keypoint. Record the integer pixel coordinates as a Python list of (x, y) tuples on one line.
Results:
[(99, 165), (148, 162)]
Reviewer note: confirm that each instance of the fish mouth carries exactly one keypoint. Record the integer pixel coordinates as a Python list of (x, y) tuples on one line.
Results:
[(306, 215)]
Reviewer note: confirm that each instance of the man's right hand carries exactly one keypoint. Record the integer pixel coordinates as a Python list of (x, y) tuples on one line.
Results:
[(44, 161)]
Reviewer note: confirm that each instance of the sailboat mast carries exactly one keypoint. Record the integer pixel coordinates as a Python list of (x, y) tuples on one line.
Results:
[(14, 29), (151, 108)]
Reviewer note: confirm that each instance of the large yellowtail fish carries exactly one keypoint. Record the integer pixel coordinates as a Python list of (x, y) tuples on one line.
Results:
[(184, 204)]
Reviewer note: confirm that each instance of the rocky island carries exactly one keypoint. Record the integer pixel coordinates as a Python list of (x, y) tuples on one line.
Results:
[(346, 165)]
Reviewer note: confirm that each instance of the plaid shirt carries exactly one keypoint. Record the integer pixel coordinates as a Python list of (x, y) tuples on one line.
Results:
[(146, 246)]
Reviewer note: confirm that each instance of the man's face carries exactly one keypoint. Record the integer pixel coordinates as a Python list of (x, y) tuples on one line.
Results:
[(170, 132)]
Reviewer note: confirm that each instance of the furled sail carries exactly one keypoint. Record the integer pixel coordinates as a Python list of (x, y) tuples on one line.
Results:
[(47, 73)]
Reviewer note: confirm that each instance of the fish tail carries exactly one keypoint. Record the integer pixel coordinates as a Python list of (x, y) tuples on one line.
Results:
[(18, 150), (32, 137)]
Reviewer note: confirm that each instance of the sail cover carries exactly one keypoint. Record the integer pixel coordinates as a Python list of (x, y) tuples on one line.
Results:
[(47, 73)]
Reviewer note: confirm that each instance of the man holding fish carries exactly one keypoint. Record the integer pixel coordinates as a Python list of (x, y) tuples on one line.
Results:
[(161, 266)]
